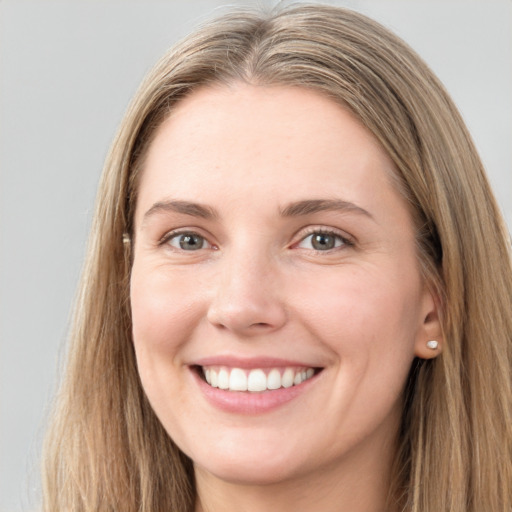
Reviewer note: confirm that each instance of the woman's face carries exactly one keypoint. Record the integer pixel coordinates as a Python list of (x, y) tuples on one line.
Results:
[(272, 251)]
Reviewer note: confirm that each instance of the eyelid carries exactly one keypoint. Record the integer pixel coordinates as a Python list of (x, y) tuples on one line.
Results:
[(348, 241), (169, 235)]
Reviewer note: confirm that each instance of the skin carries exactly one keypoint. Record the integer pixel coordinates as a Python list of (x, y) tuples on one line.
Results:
[(259, 288)]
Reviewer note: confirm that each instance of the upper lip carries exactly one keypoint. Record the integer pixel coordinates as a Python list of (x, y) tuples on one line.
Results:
[(251, 362)]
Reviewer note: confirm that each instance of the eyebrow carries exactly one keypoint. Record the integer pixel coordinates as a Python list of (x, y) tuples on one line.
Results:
[(183, 207), (295, 209), (310, 206)]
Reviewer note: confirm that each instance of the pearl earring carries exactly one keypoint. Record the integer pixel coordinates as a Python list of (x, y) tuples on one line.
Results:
[(433, 344)]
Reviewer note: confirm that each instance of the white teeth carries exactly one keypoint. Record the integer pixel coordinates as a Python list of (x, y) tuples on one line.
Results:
[(223, 379), (214, 377), (237, 380), (257, 380), (287, 378), (274, 379)]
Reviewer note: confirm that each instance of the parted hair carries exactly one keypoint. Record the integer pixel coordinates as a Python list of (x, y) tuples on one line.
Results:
[(107, 451)]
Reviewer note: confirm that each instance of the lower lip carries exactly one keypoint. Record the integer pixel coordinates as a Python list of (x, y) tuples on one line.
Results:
[(246, 402)]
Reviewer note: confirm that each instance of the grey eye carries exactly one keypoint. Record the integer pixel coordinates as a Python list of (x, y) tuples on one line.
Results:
[(322, 241), (187, 241)]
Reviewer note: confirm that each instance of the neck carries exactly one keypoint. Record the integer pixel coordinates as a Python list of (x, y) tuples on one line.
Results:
[(360, 485)]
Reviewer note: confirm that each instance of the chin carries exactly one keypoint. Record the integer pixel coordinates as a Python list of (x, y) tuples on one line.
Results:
[(261, 465), (243, 473)]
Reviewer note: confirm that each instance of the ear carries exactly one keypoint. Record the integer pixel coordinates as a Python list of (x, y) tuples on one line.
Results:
[(430, 328)]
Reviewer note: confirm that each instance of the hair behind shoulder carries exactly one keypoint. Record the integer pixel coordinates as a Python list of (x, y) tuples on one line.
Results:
[(106, 450)]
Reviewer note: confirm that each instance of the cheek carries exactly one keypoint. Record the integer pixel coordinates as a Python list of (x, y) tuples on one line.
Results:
[(163, 309), (362, 314), (165, 312)]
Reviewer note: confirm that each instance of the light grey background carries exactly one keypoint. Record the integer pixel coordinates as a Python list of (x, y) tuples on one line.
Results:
[(67, 72)]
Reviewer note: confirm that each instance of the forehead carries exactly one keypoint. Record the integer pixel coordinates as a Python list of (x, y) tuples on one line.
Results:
[(256, 115), (223, 141)]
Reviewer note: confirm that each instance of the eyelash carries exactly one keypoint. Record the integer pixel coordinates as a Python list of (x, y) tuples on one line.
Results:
[(176, 234), (345, 241)]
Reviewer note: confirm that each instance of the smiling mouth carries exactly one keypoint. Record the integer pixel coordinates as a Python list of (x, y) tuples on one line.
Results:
[(256, 380)]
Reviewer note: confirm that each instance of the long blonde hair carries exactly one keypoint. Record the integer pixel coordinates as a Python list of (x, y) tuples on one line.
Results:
[(106, 451)]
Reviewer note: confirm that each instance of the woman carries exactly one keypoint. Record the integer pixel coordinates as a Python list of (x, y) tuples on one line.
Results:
[(298, 288)]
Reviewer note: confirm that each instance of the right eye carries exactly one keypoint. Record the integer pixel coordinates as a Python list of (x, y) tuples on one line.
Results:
[(187, 241)]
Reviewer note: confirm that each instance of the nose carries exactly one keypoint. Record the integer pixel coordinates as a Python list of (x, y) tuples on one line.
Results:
[(248, 297)]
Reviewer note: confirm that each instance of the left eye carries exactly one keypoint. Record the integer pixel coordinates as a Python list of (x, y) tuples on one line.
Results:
[(321, 241), (187, 241)]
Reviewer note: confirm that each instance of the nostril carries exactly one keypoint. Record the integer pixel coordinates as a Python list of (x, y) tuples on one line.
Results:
[(251, 313)]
